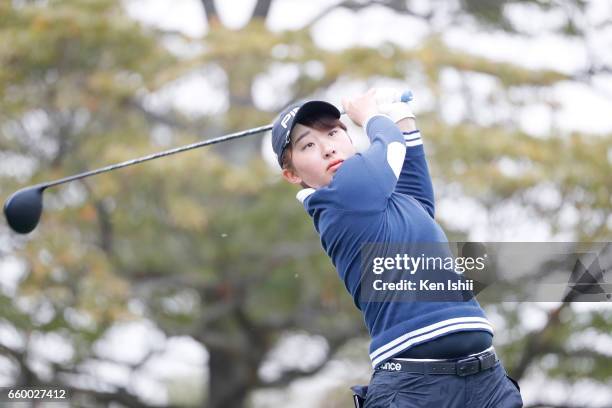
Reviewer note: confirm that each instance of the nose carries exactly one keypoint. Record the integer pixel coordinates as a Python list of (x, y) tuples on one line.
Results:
[(328, 150)]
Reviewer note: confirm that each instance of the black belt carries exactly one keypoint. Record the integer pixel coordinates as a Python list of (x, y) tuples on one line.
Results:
[(461, 367)]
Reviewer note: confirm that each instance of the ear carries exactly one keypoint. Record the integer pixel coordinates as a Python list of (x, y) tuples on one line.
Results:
[(291, 176)]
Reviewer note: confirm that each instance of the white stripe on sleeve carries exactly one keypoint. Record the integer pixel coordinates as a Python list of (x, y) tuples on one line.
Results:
[(395, 157), (416, 142)]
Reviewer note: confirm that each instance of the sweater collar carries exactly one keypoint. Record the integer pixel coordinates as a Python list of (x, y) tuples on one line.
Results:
[(304, 193)]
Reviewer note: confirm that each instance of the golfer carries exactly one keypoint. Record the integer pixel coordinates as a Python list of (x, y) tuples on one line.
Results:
[(424, 353)]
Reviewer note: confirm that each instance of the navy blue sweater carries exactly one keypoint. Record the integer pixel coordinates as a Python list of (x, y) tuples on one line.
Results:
[(384, 195)]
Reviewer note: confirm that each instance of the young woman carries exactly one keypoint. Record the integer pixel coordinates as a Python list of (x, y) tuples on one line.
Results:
[(424, 353)]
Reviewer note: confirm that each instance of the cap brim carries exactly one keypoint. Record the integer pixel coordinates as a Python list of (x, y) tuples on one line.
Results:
[(312, 108), (316, 108)]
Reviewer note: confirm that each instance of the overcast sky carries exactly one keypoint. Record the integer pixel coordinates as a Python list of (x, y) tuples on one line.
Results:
[(584, 108)]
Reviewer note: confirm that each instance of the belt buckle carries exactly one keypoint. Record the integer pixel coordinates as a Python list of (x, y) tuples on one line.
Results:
[(468, 366), (487, 360)]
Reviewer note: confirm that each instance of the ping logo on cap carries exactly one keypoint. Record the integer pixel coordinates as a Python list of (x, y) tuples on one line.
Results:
[(289, 116)]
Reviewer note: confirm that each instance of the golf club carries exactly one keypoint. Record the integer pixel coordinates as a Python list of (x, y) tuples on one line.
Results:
[(24, 207)]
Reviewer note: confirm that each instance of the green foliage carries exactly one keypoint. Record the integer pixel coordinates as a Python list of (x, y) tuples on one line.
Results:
[(576, 167), (219, 250), (75, 54)]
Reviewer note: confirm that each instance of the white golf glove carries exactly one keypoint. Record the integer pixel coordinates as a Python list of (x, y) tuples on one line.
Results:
[(388, 102)]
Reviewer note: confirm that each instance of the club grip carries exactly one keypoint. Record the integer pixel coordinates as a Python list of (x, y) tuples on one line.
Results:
[(391, 95), (406, 96)]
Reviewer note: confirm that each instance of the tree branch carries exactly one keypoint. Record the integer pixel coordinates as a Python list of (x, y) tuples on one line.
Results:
[(104, 221), (262, 9), (156, 117), (11, 354), (399, 6), (211, 12), (537, 343), (334, 343), (120, 394)]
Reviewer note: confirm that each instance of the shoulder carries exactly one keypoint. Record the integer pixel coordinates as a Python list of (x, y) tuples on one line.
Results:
[(353, 188)]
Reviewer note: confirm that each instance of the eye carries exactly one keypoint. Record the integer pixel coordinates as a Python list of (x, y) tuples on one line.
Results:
[(333, 132), (307, 145)]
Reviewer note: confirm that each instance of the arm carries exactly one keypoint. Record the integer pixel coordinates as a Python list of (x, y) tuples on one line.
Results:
[(385, 155), (365, 181), (414, 179)]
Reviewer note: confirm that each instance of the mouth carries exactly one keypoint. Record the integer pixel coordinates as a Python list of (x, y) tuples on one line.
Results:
[(334, 165)]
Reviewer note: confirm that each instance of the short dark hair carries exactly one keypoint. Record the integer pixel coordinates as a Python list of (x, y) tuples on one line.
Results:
[(320, 123)]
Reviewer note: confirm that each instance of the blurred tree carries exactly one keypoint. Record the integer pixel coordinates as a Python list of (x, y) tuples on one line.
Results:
[(228, 257)]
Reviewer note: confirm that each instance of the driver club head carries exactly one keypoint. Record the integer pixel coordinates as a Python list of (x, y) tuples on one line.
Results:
[(23, 209)]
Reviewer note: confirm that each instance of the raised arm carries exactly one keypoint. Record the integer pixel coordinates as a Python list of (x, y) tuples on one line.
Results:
[(365, 181), (414, 179), (385, 155)]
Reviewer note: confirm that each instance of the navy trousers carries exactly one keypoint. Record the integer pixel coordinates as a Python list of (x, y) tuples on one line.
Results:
[(490, 388)]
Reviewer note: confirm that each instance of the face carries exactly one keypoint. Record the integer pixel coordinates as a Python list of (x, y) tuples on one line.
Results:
[(316, 155)]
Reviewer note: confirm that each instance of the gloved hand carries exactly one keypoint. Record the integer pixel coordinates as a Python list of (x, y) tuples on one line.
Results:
[(361, 108), (387, 101)]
